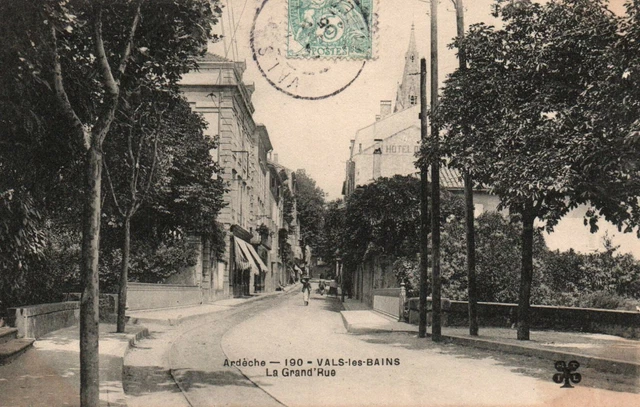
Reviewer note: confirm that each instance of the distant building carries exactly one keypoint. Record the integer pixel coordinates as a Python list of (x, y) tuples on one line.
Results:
[(388, 146), (292, 229), (252, 215)]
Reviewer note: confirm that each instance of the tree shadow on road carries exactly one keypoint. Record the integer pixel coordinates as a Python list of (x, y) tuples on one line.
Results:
[(531, 366), (329, 303), (197, 379), (141, 380)]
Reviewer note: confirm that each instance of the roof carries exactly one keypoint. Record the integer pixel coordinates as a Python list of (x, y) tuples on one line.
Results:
[(209, 57), (450, 178), (387, 127), (264, 135)]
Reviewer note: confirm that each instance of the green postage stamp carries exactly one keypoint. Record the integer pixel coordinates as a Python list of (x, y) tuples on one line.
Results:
[(333, 29)]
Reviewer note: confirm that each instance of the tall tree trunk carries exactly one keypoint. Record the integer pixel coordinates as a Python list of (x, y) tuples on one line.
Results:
[(471, 256), (124, 274), (468, 197), (89, 360), (436, 283), (526, 276), (424, 206)]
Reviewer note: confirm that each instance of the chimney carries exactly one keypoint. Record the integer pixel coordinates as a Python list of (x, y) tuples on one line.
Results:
[(377, 159), (275, 158), (385, 108)]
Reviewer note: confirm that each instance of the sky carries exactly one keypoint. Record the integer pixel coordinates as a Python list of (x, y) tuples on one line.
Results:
[(314, 134)]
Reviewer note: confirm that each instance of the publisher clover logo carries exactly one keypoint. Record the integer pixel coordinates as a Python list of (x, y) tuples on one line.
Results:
[(567, 373)]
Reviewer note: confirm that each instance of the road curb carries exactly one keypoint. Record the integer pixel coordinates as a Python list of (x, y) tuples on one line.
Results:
[(594, 362), (115, 396), (362, 329), (180, 320)]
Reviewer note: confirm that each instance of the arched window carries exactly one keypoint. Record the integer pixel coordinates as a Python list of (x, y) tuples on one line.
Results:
[(412, 58)]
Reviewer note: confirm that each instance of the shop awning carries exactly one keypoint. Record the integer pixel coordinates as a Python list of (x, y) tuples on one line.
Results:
[(261, 264), (240, 259), (257, 265)]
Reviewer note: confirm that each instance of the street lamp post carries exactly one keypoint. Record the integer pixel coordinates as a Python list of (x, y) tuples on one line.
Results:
[(424, 205), (341, 271)]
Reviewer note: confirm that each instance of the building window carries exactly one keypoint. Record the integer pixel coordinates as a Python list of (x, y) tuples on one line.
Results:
[(413, 100), (412, 58)]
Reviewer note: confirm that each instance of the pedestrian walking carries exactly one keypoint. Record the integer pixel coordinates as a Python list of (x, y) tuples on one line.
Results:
[(333, 288), (306, 289), (321, 287)]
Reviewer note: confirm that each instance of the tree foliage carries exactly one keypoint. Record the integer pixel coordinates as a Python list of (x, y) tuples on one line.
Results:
[(520, 134), (332, 239), (310, 205), (383, 217), (525, 118), (40, 150)]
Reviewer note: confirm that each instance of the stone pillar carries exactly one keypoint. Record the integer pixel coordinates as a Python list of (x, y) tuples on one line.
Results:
[(206, 269), (401, 300)]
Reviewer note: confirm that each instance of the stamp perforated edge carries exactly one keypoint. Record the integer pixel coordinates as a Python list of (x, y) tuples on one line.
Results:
[(361, 63), (374, 40)]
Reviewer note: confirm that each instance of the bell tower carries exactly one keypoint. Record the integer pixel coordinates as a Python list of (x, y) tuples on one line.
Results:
[(409, 90)]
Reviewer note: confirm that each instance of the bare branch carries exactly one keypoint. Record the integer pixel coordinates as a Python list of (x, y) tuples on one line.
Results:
[(154, 160), (101, 56), (111, 188), (61, 93), (112, 84), (124, 59), (134, 169)]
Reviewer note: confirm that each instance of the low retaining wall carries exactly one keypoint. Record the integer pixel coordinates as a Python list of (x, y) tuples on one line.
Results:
[(615, 322), (386, 301), (141, 296), (412, 310), (35, 321), (107, 303), (550, 317)]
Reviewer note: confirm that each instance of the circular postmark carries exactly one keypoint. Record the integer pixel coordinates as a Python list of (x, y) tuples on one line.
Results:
[(311, 78)]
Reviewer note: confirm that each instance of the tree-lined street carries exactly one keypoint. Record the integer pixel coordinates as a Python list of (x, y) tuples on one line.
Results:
[(141, 192), (392, 368)]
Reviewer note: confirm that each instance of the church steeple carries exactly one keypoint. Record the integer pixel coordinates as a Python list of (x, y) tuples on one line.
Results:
[(409, 90)]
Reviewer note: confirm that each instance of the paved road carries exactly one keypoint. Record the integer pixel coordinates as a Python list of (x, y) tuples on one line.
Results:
[(281, 331), (181, 366), (420, 373)]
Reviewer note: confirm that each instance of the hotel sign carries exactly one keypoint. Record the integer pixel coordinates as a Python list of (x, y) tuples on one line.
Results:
[(400, 149)]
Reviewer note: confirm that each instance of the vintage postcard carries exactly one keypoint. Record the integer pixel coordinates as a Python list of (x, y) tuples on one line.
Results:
[(242, 203)]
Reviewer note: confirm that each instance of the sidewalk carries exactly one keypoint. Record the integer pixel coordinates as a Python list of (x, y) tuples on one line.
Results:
[(603, 352), (49, 374), (175, 316)]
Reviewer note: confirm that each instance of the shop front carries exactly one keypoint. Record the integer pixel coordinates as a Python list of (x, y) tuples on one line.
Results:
[(250, 269)]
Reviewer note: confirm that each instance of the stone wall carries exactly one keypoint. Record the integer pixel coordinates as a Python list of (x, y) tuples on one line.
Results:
[(386, 301), (141, 296), (374, 273), (550, 317), (35, 321), (616, 322)]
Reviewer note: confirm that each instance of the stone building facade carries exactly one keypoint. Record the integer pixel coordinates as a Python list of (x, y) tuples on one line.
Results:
[(252, 215), (292, 229)]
